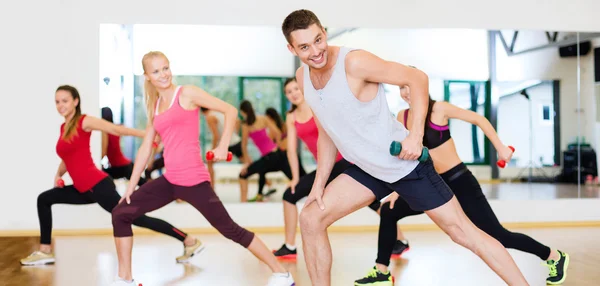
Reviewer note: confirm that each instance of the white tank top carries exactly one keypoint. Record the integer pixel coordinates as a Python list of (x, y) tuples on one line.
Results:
[(235, 137), (362, 131)]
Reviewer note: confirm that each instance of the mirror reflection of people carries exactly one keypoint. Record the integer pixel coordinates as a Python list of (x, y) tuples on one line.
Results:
[(261, 131), (301, 125), (216, 125), (344, 88), (120, 166)]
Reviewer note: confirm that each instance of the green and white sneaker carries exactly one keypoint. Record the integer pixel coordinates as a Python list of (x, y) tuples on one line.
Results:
[(558, 269), (376, 278)]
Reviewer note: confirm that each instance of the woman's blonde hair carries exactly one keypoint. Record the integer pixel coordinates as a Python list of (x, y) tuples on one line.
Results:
[(150, 92)]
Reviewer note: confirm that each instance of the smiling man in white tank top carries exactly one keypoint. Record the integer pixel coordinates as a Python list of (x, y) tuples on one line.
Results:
[(344, 88)]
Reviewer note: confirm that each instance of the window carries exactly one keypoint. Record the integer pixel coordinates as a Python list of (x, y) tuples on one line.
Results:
[(225, 88), (139, 112), (546, 117), (546, 112), (262, 93), (469, 139)]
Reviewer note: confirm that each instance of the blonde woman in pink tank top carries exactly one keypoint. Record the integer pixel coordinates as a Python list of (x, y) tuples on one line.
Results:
[(173, 114)]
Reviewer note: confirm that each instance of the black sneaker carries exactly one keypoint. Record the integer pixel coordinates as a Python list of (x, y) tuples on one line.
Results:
[(399, 249), (376, 278), (558, 269), (285, 253)]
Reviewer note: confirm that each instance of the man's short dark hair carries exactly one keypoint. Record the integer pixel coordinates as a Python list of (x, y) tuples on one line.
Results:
[(298, 20)]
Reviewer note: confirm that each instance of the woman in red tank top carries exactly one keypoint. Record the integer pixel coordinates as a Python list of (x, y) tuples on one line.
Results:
[(301, 124), (90, 185), (120, 166)]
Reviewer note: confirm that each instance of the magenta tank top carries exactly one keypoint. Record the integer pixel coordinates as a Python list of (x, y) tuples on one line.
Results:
[(262, 141), (179, 130), (308, 132)]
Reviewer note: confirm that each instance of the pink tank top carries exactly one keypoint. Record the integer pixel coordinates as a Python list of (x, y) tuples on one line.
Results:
[(308, 132), (179, 130), (262, 141)]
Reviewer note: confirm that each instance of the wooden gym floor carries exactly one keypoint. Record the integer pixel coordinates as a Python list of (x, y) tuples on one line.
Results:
[(433, 260)]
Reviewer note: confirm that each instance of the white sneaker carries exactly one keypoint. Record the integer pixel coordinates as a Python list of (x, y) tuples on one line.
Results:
[(281, 279), (121, 282)]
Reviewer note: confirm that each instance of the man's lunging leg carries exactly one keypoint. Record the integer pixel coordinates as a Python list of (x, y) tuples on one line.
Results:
[(452, 220), (342, 196)]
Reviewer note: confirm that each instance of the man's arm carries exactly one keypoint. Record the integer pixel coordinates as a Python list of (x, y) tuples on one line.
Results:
[(370, 68), (326, 154), (326, 149)]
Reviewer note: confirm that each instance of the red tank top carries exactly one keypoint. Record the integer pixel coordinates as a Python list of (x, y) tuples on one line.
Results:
[(308, 132), (77, 157), (113, 152)]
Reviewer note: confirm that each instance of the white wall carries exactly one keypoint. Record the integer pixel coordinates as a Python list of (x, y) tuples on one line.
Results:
[(216, 50), (46, 50), (54, 42), (546, 64), (514, 129), (115, 61), (459, 54)]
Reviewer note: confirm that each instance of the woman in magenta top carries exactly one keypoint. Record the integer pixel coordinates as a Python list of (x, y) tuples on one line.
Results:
[(301, 124), (173, 114), (260, 130), (90, 185), (120, 166)]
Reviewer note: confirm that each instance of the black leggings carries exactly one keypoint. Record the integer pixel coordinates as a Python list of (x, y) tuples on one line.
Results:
[(105, 194), (236, 150), (272, 162), (388, 228), (156, 165), (475, 205), (123, 172), (305, 184)]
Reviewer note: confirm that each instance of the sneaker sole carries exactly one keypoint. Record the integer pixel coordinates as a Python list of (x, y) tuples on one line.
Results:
[(382, 283), (197, 251), (287, 257), (40, 262), (561, 281), (397, 256)]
